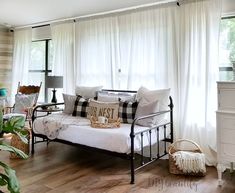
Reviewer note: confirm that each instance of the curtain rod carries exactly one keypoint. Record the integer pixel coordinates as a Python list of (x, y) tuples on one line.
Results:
[(40, 26), (46, 23)]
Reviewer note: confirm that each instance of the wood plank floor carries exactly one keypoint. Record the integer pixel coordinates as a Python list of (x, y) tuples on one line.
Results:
[(60, 168)]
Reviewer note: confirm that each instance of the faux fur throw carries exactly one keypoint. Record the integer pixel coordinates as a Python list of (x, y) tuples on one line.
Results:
[(190, 161)]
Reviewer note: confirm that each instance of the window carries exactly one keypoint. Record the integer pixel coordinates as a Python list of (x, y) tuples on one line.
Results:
[(227, 48), (41, 65)]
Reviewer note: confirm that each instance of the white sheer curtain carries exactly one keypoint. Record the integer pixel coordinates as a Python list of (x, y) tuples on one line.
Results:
[(148, 48), (123, 52), (165, 46), (177, 47), (63, 55), (21, 58), (197, 75), (96, 58)]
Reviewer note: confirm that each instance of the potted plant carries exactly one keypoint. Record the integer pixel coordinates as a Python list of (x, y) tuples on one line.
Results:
[(13, 125)]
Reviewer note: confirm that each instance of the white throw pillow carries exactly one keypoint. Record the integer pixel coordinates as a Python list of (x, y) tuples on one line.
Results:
[(87, 92), (147, 109), (23, 101), (155, 101), (145, 96), (69, 102)]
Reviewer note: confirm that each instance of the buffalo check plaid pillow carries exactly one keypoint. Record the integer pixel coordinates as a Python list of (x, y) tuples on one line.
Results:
[(127, 111), (81, 107)]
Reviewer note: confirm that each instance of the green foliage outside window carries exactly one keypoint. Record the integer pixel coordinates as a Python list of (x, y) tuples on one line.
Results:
[(228, 25)]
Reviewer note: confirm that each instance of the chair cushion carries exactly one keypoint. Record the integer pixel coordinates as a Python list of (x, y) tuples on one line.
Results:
[(24, 101), (10, 115)]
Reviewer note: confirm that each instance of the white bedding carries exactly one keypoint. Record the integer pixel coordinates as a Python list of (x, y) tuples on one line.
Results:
[(114, 139)]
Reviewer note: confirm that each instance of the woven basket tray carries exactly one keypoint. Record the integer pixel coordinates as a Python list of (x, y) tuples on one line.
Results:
[(173, 168), (112, 123)]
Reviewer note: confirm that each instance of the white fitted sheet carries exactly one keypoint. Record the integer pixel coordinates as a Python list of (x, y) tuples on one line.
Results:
[(113, 139)]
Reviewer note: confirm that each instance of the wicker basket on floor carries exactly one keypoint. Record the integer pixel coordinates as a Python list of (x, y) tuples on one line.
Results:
[(173, 168), (19, 144)]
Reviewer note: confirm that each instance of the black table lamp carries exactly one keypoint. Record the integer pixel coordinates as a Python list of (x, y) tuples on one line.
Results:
[(54, 82)]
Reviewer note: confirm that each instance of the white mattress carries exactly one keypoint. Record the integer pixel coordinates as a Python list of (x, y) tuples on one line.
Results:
[(113, 139)]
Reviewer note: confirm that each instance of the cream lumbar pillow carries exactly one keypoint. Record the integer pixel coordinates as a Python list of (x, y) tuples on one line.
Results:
[(105, 109), (107, 97), (87, 92)]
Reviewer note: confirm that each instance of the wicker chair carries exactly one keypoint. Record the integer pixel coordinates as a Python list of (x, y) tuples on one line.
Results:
[(26, 90)]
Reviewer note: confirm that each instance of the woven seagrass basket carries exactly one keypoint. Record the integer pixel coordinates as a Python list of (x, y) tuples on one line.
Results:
[(19, 144), (173, 168)]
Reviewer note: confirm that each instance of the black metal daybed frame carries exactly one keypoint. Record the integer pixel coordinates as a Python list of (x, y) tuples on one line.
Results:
[(132, 155)]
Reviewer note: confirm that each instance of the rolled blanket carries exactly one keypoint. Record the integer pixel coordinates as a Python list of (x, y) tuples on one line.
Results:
[(190, 161)]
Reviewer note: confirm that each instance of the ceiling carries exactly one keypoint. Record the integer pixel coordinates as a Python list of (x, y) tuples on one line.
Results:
[(15, 13)]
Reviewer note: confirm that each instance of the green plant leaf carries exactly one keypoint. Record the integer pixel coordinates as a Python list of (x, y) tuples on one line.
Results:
[(9, 148), (3, 179), (12, 181), (18, 121), (14, 125)]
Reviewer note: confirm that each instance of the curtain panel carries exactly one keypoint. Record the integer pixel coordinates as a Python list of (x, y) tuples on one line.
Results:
[(198, 72), (128, 50), (96, 52), (21, 58), (63, 55)]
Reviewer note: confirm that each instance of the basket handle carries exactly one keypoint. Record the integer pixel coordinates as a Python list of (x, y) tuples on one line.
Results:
[(182, 140)]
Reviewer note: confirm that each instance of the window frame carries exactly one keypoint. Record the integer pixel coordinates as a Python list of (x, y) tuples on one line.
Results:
[(46, 71), (228, 68)]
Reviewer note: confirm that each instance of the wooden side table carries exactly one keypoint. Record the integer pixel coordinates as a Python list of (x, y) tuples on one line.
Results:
[(49, 110)]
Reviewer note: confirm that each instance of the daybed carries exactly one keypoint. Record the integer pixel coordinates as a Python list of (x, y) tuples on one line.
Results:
[(140, 144)]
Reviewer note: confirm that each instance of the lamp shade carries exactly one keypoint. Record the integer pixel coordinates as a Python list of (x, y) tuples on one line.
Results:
[(54, 82)]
